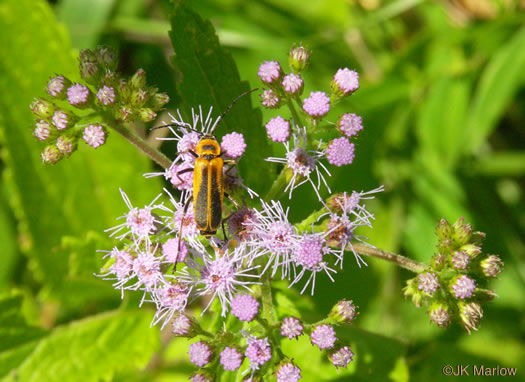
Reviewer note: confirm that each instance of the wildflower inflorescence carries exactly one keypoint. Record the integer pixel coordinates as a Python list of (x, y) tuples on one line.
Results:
[(84, 111), (455, 283), (161, 251)]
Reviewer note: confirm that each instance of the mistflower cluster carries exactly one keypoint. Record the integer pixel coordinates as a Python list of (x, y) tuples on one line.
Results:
[(455, 284), (84, 111), (304, 154)]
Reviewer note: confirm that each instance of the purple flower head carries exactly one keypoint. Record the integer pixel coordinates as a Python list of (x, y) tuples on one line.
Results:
[(241, 223), (233, 145), (42, 130), (291, 327), (341, 357), (182, 325), (220, 276), (439, 315), (123, 263), (56, 86), (309, 254), (170, 299), (293, 84), (231, 359), (188, 142), (258, 351), (460, 260), (170, 250), (106, 95), (272, 235), (269, 72), (245, 307), (340, 152), (61, 120), (201, 376), (323, 336), (344, 312), (463, 287), (317, 105), (350, 203), (146, 266), (278, 129), (288, 372), (350, 124), (345, 82), (303, 165), (428, 282), (270, 99), (340, 230), (94, 135), (140, 223), (200, 353), (78, 95), (180, 176)]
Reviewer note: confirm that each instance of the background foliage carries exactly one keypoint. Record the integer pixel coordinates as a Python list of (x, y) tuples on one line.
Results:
[(443, 102)]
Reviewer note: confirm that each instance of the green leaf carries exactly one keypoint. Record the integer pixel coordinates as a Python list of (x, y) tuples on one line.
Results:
[(9, 244), (91, 349), (208, 76), (85, 19), (500, 80), (78, 194)]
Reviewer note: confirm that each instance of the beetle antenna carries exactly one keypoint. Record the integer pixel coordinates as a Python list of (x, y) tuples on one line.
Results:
[(229, 108)]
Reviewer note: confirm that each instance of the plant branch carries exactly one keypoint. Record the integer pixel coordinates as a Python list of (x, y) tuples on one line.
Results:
[(142, 145), (402, 261)]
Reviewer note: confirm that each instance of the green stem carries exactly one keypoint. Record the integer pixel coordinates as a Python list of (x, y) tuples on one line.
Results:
[(267, 300), (142, 145), (402, 261), (278, 186), (295, 115)]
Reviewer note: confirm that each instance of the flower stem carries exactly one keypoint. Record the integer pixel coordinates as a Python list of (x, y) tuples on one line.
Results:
[(402, 261), (295, 115), (142, 145), (278, 186), (267, 300)]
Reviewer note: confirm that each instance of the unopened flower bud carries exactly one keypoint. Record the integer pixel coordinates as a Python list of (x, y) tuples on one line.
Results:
[(428, 282), (491, 266), (470, 314), (343, 312), (42, 108), (66, 145), (439, 314), (51, 154), (462, 287), (105, 96), (63, 120), (485, 295), (323, 336), (123, 114), (89, 71), (287, 371), (124, 90), (270, 99), (158, 100), (438, 261), (460, 260), (57, 86), (341, 357), (345, 82), (270, 72), (109, 79), (444, 230), (462, 231), (138, 80), (293, 84), (185, 326), (298, 58), (42, 130), (147, 115), (472, 250), (78, 95), (201, 376), (138, 98), (94, 135), (87, 55), (106, 56), (412, 290)]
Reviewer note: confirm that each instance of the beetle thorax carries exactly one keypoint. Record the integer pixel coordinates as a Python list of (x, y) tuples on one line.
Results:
[(208, 146)]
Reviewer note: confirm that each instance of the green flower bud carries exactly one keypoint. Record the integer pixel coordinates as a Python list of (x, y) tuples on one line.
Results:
[(470, 314), (42, 108), (471, 249), (138, 80), (439, 314), (147, 115), (444, 230), (124, 90), (106, 56), (138, 98), (123, 114), (462, 231), (158, 100), (491, 266), (298, 58), (412, 290), (51, 154), (343, 312), (66, 145)]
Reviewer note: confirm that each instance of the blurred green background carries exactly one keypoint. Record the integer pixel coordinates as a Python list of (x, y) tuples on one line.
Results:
[(443, 103)]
